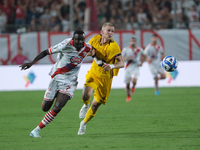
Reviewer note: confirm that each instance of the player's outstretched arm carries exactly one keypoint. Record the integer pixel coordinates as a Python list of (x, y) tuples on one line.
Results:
[(38, 57)]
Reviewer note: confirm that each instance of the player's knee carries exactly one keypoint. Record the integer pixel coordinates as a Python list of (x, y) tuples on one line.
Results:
[(163, 76), (85, 96), (44, 108), (46, 105)]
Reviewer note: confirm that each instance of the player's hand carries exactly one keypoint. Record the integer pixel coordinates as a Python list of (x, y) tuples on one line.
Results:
[(130, 58), (25, 66), (140, 64), (150, 60), (106, 67)]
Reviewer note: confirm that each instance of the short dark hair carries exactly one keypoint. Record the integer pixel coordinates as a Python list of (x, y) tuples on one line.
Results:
[(134, 38), (79, 31), (155, 35)]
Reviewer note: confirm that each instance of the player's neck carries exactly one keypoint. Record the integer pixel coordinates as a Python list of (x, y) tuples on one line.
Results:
[(104, 40)]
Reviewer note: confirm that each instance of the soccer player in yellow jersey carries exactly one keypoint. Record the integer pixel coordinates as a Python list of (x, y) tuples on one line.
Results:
[(106, 64)]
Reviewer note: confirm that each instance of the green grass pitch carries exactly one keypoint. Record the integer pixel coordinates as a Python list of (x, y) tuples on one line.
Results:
[(170, 121)]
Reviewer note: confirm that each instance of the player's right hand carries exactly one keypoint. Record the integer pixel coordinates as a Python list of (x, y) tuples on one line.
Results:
[(25, 66)]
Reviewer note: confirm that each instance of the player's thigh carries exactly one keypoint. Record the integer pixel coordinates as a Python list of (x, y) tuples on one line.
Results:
[(127, 77), (154, 70), (135, 76), (162, 72), (103, 90), (51, 91), (61, 100)]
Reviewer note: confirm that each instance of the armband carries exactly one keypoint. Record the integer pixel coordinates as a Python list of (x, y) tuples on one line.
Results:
[(112, 66)]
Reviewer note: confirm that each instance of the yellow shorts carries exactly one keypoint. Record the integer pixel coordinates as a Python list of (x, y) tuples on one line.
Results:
[(101, 86)]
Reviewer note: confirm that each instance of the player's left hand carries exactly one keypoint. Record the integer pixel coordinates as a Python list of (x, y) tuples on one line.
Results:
[(140, 64), (106, 67), (25, 66)]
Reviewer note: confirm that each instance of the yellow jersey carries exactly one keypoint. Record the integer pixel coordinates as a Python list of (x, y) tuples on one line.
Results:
[(107, 53)]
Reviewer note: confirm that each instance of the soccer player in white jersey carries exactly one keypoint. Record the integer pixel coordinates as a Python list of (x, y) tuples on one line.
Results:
[(64, 74), (134, 58), (155, 54)]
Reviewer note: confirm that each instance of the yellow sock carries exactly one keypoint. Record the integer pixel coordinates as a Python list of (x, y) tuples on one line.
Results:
[(90, 114), (86, 102)]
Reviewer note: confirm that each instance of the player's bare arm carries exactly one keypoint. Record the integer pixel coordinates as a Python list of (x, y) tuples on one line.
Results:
[(143, 58), (38, 57), (119, 64), (162, 56), (91, 53)]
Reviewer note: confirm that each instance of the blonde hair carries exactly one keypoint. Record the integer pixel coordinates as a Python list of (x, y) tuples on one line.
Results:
[(107, 24)]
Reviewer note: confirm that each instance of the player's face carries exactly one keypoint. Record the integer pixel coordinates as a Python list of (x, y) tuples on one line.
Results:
[(132, 42), (154, 39), (107, 32), (79, 40)]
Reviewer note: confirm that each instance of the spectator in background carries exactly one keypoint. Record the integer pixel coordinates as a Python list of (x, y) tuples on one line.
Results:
[(131, 24), (46, 16), (193, 15), (31, 13), (20, 10), (8, 9), (147, 25), (180, 24), (19, 58), (54, 9), (3, 21), (33, 26), (141, 16), (43, 25), (63, 15)]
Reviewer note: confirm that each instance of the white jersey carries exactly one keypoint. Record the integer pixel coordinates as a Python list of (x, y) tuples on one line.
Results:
[(132, 65), (135, 57), (155, 53), (69, 60)]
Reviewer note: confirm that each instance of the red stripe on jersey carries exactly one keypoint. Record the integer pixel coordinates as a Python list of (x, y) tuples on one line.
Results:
[(71, 66), (129, 62), (72, 42), (50, 51)]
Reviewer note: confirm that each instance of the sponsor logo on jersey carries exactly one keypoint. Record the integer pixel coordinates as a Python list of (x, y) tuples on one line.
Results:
[(76, 60), (30, 78), (171, 76)]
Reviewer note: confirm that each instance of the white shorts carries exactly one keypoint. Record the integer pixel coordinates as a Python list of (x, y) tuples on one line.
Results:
[(155, 70), (130, 75), (58, 86)]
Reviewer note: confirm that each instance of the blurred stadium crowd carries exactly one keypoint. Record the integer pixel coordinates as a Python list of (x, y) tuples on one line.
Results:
[(54, 15)]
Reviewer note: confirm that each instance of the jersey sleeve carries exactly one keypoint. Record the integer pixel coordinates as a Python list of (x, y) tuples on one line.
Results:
[(124, 52), (114, 51), (161, 49), (58, 48), (141, 51), (146, 50)]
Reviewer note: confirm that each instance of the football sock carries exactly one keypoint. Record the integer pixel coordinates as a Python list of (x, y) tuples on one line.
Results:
[(156, 85), (128, 92), (86, 102), (90, 114), (47, 119)]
